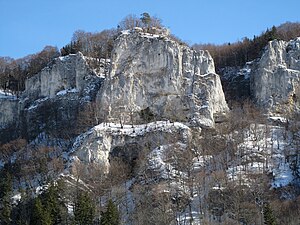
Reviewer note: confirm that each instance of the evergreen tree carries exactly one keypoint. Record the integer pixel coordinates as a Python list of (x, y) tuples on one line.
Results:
[(5, 211), (5, 196), (72, 48), (48, 208), (5, 183), (22, 211), (84, 211), (111, 215), (273, 34), (40, 214), (146, 19), (52, 203), (268, 215)]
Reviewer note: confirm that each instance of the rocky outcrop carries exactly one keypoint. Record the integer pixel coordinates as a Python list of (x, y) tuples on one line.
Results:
[(65, 73), (9, 110), (151, 78), (275, 77), (53, 98), (9, 114), (167, 80), (105, 141)]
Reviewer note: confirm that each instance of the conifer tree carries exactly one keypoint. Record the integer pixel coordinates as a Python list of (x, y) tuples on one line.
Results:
[(40, 214), (5, 195), (111, 215), (48, 208), (5, 211), (268, 215), (84, 210), (146, 19), (22, 212), (51, 199)]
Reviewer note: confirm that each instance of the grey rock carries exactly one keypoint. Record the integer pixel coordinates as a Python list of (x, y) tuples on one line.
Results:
[(275, 77), (65, 73), (53, 98), (9, 111), (168, 78), (108, 140), (9, 114)]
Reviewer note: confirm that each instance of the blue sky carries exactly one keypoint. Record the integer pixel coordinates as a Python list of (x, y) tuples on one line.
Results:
[(26, 26)]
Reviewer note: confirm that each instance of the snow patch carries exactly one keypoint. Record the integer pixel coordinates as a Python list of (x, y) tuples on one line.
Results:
[(16, 199), (64, 58), (70, 208), (125, 32), (7, 95), (282, 174), (277, 119), (138, 130), (148, 35), (66, 91), (37, 102)]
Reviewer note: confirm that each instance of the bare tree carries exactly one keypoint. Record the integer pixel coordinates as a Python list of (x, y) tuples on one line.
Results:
[(129, 22)]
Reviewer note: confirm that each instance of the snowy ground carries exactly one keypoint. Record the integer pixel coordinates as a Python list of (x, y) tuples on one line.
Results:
[(263, 151), (64, 92), (7, 94), (136, 130), (36, 103), (131, 130)]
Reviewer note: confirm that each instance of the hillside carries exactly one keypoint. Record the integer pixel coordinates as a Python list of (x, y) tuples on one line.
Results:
[(144, 135)]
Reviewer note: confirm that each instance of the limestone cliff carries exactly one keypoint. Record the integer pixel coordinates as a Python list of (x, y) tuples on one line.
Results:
[(275, 77), (9, 114), (105, 141), (65, 73), (154, 75), (151, 77), (53, 98), (9, 110)]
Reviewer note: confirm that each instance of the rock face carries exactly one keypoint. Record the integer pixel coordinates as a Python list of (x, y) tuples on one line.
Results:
[(151, 78), (275, 77), (9, 110), (104, 141), (65, 73), (9, 114), (52, 99), (154, 77)]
